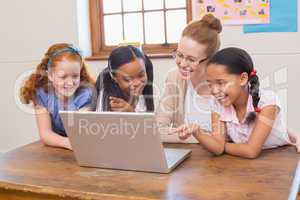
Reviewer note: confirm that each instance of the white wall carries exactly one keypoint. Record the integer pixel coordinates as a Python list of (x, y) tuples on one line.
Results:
[(27, 29), (34, 24)]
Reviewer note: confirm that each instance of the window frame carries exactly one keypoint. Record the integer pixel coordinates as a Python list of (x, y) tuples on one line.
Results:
[(101, 52)]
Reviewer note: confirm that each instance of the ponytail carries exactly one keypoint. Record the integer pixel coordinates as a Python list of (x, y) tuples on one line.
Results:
[(109, 87), (38, 79), (148, 90), (105, 82), (238, 61), (254, 92)]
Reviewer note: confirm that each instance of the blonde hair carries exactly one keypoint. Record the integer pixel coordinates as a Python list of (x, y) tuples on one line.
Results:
[(205, 31)]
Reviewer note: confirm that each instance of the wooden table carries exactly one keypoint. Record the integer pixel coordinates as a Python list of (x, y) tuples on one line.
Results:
[(38, 172)]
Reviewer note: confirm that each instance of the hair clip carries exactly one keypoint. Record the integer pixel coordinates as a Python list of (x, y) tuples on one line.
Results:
[(257, 110), (253, 73)]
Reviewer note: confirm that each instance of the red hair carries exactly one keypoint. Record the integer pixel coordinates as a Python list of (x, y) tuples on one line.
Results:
[(39, 78), (205, 31)]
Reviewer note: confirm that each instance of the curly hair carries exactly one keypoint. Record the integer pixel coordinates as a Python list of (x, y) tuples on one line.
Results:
[(39, 78)]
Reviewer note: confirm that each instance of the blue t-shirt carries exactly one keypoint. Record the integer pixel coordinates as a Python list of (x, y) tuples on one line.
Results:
[(82, 98)]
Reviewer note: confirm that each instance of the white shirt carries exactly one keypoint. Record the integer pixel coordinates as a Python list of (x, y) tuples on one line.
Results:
[(197, 109)]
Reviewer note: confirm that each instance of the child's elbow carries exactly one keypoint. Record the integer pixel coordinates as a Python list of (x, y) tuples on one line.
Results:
[(44, 141), (252, 154), (218, 151)]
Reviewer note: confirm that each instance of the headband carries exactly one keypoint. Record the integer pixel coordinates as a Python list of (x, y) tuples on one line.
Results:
[(71, 49)]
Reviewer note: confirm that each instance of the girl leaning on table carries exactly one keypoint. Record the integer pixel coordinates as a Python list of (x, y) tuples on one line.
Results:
[(245, 119), (126, 84), (60, 81)]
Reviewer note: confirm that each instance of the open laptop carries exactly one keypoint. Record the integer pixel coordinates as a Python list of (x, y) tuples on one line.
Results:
[(119, 140)]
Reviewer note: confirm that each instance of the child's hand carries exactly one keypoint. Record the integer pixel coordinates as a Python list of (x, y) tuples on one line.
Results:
[(186, 130), (294, 139), (297, 142), (118, 104)]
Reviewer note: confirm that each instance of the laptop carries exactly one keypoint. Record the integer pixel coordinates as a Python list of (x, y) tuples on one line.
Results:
[(120, 140)]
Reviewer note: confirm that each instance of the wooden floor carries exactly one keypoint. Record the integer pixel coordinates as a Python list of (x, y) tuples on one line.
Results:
[(38, 172)]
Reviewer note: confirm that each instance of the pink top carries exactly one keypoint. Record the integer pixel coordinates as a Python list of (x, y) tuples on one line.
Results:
[(239, 132)]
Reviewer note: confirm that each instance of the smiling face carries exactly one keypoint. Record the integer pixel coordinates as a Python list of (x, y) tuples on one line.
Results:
[(226, 87), (132, 77), (65, 77), (188, 57)]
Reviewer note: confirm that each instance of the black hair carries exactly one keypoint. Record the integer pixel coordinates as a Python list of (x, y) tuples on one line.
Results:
[(238, 61), (118, 57)]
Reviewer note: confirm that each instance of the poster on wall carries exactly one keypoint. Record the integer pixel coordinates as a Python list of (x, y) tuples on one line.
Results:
[(235, 12), (284, 18)]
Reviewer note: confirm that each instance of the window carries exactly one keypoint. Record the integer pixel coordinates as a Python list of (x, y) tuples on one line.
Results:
[(155, 24)]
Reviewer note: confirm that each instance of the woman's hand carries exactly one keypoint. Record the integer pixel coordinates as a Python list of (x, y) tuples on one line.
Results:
[(186, 130), (118, 104)]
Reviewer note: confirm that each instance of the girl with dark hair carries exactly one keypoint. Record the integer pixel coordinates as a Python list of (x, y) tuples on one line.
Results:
[(125, 85), (251, 118)]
